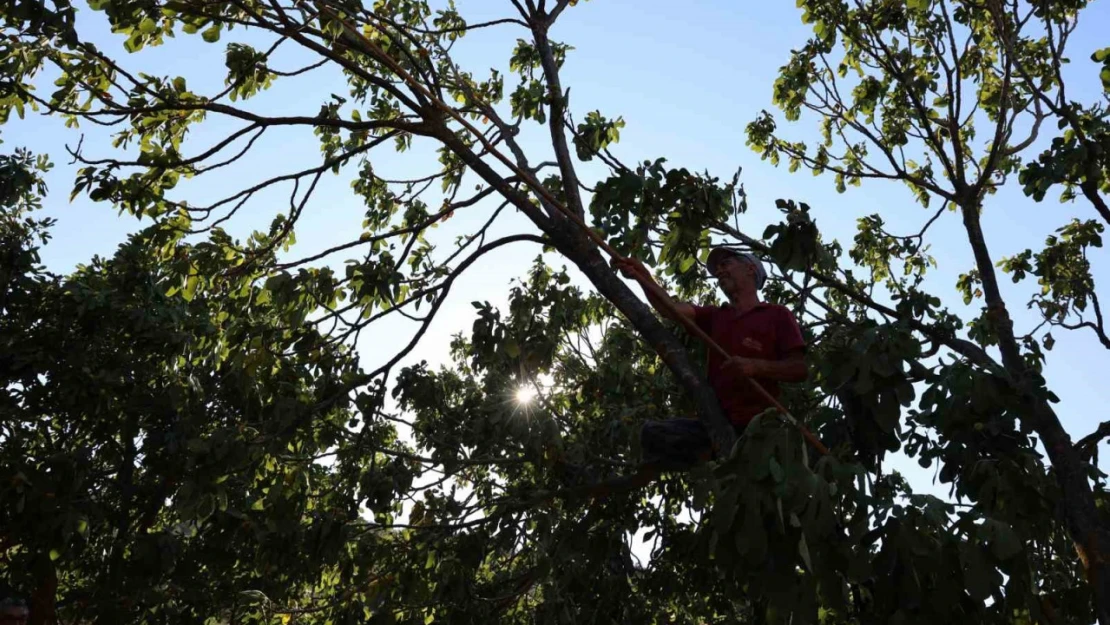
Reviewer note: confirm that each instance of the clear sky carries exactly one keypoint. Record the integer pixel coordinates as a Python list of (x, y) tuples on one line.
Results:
[(687, 77)]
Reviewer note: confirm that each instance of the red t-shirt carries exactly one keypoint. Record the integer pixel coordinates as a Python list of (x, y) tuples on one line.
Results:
[(767, 331)]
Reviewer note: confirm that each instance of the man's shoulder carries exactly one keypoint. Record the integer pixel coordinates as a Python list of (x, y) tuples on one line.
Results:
[(779, 309), (709, 309)]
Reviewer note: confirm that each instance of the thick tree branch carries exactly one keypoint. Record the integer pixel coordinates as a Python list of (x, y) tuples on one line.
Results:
[(1086, 445), (556, 120), (1034, 132), (560, 6), (1097, 326)]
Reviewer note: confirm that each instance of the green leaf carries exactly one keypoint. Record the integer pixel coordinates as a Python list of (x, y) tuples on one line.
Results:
[(776, 470), (752, 538), (803, 551), (190, 289), (1005, 543), (975, 572), (686, 264), (207, 507), (54, 554), (725, 509)]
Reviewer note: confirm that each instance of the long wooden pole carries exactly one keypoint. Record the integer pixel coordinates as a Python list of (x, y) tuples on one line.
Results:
[(542, 191)]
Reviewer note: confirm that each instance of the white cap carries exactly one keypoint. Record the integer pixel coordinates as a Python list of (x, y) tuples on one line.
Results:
[(720, 253)]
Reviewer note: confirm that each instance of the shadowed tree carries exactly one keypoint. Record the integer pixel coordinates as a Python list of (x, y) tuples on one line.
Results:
[(250, 470)]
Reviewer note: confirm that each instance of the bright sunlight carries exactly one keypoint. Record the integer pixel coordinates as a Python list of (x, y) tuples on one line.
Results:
[(525, 394)]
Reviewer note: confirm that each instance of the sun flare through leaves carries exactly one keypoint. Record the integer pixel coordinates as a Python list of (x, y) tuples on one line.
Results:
[(525, 394)]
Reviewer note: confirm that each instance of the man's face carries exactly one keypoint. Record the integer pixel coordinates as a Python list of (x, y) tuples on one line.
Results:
[(734, 275)]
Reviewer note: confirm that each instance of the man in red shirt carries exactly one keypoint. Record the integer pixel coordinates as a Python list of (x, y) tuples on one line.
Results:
[(765, 342)]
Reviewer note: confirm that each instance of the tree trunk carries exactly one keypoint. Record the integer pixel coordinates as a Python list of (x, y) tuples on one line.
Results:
[(1081, 516)]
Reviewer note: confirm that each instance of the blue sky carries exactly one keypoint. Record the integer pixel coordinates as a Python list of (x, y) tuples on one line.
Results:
[(686, 77)]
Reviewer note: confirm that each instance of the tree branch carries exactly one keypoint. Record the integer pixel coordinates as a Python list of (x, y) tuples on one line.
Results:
[(446, 210), (559, 7), (919, 108), (1061, 108), (1091, 537), (556, 120), (1086, 445), (445, 288), (1038, 117)]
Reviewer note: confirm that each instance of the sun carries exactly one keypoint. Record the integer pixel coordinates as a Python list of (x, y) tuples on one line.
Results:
[(525, 394)]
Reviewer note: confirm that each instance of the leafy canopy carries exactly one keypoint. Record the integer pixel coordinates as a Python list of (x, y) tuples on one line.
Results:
[(193, 437)]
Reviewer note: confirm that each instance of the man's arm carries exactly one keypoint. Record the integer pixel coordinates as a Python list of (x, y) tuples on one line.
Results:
[(791, 368), (662, 302), (791, 365)]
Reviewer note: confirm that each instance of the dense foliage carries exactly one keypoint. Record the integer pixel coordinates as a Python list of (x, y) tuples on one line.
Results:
[(188, 434)]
